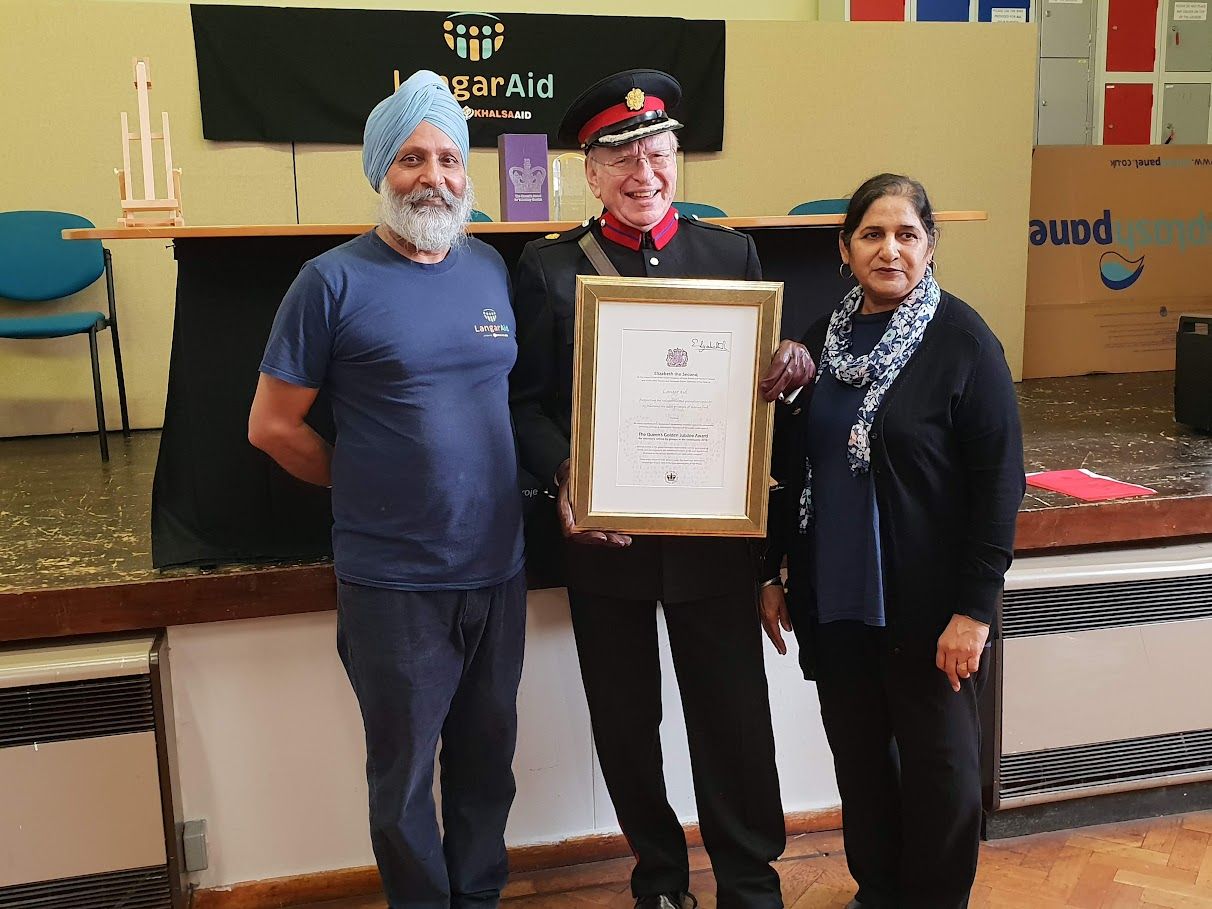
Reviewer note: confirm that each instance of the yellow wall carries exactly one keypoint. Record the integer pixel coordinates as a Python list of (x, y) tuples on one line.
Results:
[(696, 9), (812, 109)]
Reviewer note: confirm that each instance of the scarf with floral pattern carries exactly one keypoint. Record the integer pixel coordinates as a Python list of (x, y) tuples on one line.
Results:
[(876, 371)]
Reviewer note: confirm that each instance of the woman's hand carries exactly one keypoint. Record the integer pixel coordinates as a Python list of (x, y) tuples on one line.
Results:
[(960, 647), (775, 617), (790, 368), (587, 537)]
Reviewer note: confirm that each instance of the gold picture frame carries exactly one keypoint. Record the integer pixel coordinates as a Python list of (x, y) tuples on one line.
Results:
[(655, 447)]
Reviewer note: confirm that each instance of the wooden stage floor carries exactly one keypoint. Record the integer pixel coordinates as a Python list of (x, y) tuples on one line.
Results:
[(1159, 862), (68, 521)]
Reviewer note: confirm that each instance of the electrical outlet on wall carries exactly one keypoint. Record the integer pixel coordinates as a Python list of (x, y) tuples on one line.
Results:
[(193, 841)]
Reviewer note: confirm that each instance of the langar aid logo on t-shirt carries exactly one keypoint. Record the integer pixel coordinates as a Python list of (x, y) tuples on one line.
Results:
[(490, 327)]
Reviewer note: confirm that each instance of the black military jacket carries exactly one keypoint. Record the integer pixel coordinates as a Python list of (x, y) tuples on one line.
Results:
[(672, 569)]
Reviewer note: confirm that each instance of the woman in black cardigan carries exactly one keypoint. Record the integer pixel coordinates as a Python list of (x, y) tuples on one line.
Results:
[(899, 481)]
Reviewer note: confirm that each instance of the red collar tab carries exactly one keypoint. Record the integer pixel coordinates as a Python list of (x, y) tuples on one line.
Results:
[(617, 113), (625, 235)]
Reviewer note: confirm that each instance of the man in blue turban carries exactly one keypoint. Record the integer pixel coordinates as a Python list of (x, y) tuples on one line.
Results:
[(426, 211), (409, 330)]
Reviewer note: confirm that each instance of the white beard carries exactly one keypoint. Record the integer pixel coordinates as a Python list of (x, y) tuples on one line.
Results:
[(426, 227)]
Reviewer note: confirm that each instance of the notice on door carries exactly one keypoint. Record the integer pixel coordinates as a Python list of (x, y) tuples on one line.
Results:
[(1190, 11)]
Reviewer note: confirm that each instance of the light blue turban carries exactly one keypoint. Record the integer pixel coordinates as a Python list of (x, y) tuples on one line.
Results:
[(424, 96)]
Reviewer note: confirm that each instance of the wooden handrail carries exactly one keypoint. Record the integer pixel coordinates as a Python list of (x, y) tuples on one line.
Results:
[(478, 227)]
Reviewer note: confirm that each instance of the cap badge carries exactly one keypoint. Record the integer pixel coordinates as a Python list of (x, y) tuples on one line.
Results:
[(635, 99)]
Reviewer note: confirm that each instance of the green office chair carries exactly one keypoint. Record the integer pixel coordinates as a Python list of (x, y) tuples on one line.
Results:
[(821, 207), (477, 215), (38, 265), (699, 210)]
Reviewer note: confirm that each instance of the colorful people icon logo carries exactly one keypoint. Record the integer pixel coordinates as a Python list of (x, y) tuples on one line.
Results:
[(474, 36)]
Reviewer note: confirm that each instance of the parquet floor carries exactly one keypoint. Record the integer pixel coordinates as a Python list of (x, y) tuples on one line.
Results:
[(1157, 862)]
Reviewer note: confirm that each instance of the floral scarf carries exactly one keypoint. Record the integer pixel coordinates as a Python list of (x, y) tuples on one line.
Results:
[(876, 371)]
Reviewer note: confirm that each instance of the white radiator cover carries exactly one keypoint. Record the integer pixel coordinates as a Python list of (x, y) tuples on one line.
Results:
[(1106, 672), (80, 794)]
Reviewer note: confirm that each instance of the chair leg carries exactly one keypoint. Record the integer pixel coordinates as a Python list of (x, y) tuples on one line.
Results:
[(121, 383), (113, 327), (92, 347)]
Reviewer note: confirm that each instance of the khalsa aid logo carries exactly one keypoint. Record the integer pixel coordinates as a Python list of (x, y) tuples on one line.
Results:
[(474, 36)]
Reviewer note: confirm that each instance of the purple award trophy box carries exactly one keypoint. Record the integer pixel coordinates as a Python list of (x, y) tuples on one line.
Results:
[(523, 159)]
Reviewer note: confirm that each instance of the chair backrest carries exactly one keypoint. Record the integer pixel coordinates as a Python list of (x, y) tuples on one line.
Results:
[(36, 263), (477, 215), (701, 209), (821, 207)]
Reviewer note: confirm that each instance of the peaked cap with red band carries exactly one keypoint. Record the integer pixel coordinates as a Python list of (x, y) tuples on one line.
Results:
[(622, 108)]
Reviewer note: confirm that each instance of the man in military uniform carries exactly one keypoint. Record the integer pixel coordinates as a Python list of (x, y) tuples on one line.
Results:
[(706, 585)]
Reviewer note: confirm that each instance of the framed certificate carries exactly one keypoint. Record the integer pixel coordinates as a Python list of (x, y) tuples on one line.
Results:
[(669, 433)]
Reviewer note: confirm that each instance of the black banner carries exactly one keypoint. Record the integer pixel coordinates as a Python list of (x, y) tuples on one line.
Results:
[(269, 74)]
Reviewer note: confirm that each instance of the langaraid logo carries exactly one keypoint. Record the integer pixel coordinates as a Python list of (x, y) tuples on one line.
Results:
[(1120, 268), (477, 37), (474, 36)]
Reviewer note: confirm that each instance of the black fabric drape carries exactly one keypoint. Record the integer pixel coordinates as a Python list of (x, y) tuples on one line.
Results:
[(269, 74), (216, 499)]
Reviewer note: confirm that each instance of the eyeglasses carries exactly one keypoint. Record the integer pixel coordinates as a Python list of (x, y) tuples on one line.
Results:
[(658, 161)]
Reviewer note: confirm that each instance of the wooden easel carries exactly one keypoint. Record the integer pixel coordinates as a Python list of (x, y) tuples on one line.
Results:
[(148, 211)]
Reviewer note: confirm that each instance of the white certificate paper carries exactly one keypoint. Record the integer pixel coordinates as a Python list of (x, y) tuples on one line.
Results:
[(673, 400), (671, 433)]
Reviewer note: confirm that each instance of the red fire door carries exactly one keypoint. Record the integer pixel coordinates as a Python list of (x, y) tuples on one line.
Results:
[(1128, 114), (1131, 36), (877, 10)]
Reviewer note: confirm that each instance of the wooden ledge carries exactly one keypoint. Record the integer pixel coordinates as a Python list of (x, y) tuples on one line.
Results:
[(163, 602), (1117, 523), (274, 590), (479, 227)]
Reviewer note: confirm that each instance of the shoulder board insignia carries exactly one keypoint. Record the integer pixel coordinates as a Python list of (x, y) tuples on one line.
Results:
[(712, 224), (552, 237)]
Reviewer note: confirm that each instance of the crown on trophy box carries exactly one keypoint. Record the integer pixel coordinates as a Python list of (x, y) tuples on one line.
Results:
[(148, 211), (528, 181)]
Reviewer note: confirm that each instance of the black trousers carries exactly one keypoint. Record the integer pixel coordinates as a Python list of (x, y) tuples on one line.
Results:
[(425, 664), (906, 749), (717, 655)]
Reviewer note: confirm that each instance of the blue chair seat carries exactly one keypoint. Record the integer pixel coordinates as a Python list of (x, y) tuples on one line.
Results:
[(58, 326), (821, 207), (699, 210)]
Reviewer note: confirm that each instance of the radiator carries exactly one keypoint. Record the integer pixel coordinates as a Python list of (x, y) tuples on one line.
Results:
[(1106, 673), (87, 823)]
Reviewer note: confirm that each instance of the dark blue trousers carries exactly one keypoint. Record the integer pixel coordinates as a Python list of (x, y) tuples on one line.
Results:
[(906, 749), (424, 665)]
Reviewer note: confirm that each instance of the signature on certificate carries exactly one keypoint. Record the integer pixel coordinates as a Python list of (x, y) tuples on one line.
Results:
[(718, 344)]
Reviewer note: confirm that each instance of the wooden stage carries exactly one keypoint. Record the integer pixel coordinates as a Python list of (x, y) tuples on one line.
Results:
[(75, 542)]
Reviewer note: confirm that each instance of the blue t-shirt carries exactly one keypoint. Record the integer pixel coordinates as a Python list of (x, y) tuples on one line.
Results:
[(846, 533), (416, 361)]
